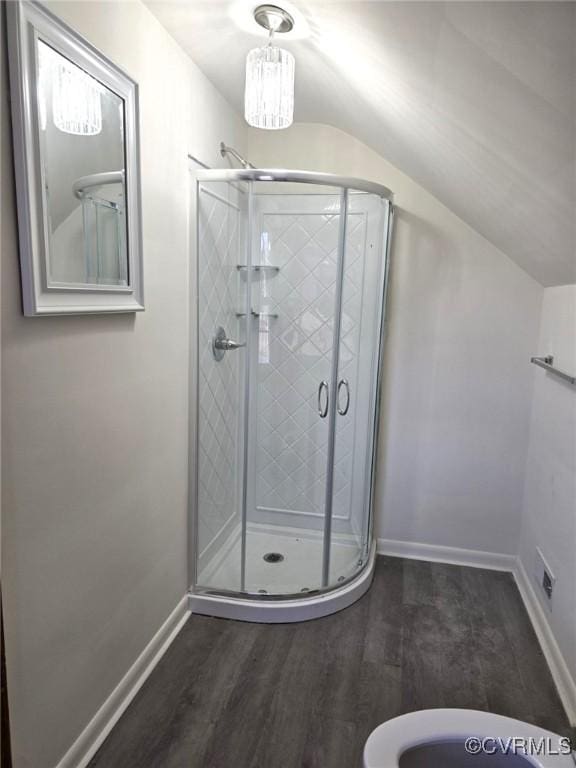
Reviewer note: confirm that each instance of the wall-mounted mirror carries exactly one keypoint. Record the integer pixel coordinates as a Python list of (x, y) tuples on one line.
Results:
[(75, 126)]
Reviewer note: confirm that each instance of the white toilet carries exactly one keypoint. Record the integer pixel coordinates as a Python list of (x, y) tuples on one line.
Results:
[(437, 738)]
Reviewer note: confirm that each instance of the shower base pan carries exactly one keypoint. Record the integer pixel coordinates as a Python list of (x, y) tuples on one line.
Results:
[(267, 609)]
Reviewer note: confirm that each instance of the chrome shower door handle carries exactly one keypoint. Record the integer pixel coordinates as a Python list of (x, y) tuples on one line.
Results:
[(343, 383), (323, 409)]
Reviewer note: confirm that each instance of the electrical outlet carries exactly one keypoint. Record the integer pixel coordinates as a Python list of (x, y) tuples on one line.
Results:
[(544, 578)]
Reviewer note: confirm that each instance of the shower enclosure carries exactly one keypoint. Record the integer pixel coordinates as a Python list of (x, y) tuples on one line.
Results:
[(291, 289)]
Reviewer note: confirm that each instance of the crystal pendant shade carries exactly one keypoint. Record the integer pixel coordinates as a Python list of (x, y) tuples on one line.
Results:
[(269, 95), (76, 106)]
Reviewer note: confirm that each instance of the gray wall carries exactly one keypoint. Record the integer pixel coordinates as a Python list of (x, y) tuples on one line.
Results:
[(549, 519), (462, 323), (95, 420)]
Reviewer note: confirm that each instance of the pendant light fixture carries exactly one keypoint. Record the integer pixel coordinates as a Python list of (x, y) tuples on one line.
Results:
[(76, 106), (73, 94), (269, 95)]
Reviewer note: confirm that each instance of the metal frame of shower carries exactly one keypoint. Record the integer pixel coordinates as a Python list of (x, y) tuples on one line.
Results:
[(345, 183)]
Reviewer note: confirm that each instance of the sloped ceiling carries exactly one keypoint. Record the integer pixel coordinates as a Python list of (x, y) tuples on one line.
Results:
[(476, 101)]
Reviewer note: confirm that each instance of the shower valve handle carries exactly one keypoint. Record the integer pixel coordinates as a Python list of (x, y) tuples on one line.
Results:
[(227, 344), (221, 344)]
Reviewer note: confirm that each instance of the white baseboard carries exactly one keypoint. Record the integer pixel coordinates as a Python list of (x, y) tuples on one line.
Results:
[(87, 744), (565, 683), (452, 555)]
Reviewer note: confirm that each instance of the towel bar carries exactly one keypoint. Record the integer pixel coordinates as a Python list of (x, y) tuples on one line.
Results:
[(547, 363)]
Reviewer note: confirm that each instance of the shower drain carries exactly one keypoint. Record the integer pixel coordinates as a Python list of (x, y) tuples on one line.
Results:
[(273, 557)]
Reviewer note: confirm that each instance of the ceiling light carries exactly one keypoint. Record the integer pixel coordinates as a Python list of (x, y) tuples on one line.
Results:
[(269, 95), (75, 95)]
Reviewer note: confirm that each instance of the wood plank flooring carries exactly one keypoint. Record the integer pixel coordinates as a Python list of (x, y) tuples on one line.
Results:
[(234, 695)]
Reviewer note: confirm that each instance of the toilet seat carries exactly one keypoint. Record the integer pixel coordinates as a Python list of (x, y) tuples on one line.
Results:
[(390, 740)]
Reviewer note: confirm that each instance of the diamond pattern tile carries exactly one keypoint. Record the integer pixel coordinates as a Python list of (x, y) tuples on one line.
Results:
[(219, 382), (291, 449)]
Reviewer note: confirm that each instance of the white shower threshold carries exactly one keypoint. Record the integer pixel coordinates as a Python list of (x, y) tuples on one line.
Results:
[(286, 610)]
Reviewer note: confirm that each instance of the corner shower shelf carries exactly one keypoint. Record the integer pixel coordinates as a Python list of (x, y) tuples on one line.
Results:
[(547, 363), (271, 315), (257, 268)]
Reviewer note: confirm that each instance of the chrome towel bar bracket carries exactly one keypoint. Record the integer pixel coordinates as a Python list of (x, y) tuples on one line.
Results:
[(547, 362)]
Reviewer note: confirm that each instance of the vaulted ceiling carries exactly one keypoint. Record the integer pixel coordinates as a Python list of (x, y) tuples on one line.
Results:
[(476, 101)]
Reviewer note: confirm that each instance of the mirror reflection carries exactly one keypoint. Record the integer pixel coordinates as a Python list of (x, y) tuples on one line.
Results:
[(81, 126)]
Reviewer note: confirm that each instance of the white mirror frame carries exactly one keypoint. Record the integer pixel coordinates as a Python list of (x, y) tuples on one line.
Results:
[(27, 22)]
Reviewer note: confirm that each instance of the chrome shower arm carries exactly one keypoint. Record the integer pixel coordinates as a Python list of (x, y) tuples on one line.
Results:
[(225, 150)]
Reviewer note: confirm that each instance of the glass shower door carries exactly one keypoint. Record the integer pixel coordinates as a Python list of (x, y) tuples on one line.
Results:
[(295, 254), (221, 371), (363, 273)]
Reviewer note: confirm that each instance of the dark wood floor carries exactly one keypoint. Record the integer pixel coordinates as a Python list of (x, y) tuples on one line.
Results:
[(234, 695)]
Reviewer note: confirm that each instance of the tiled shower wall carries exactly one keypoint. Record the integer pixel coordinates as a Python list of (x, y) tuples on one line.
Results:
[(295, 238), (219, 248), (299, 235)]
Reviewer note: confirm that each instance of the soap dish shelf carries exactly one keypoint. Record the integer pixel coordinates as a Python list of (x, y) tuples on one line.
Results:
[(258, 268), (270, 315)]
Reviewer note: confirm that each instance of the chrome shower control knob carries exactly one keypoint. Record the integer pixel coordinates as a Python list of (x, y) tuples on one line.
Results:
[(227, 344), (221, 344)]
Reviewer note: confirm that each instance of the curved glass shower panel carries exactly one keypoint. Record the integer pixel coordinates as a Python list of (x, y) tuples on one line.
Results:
[(222, 210), (291, 285), (363, 277), (295, 239)]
